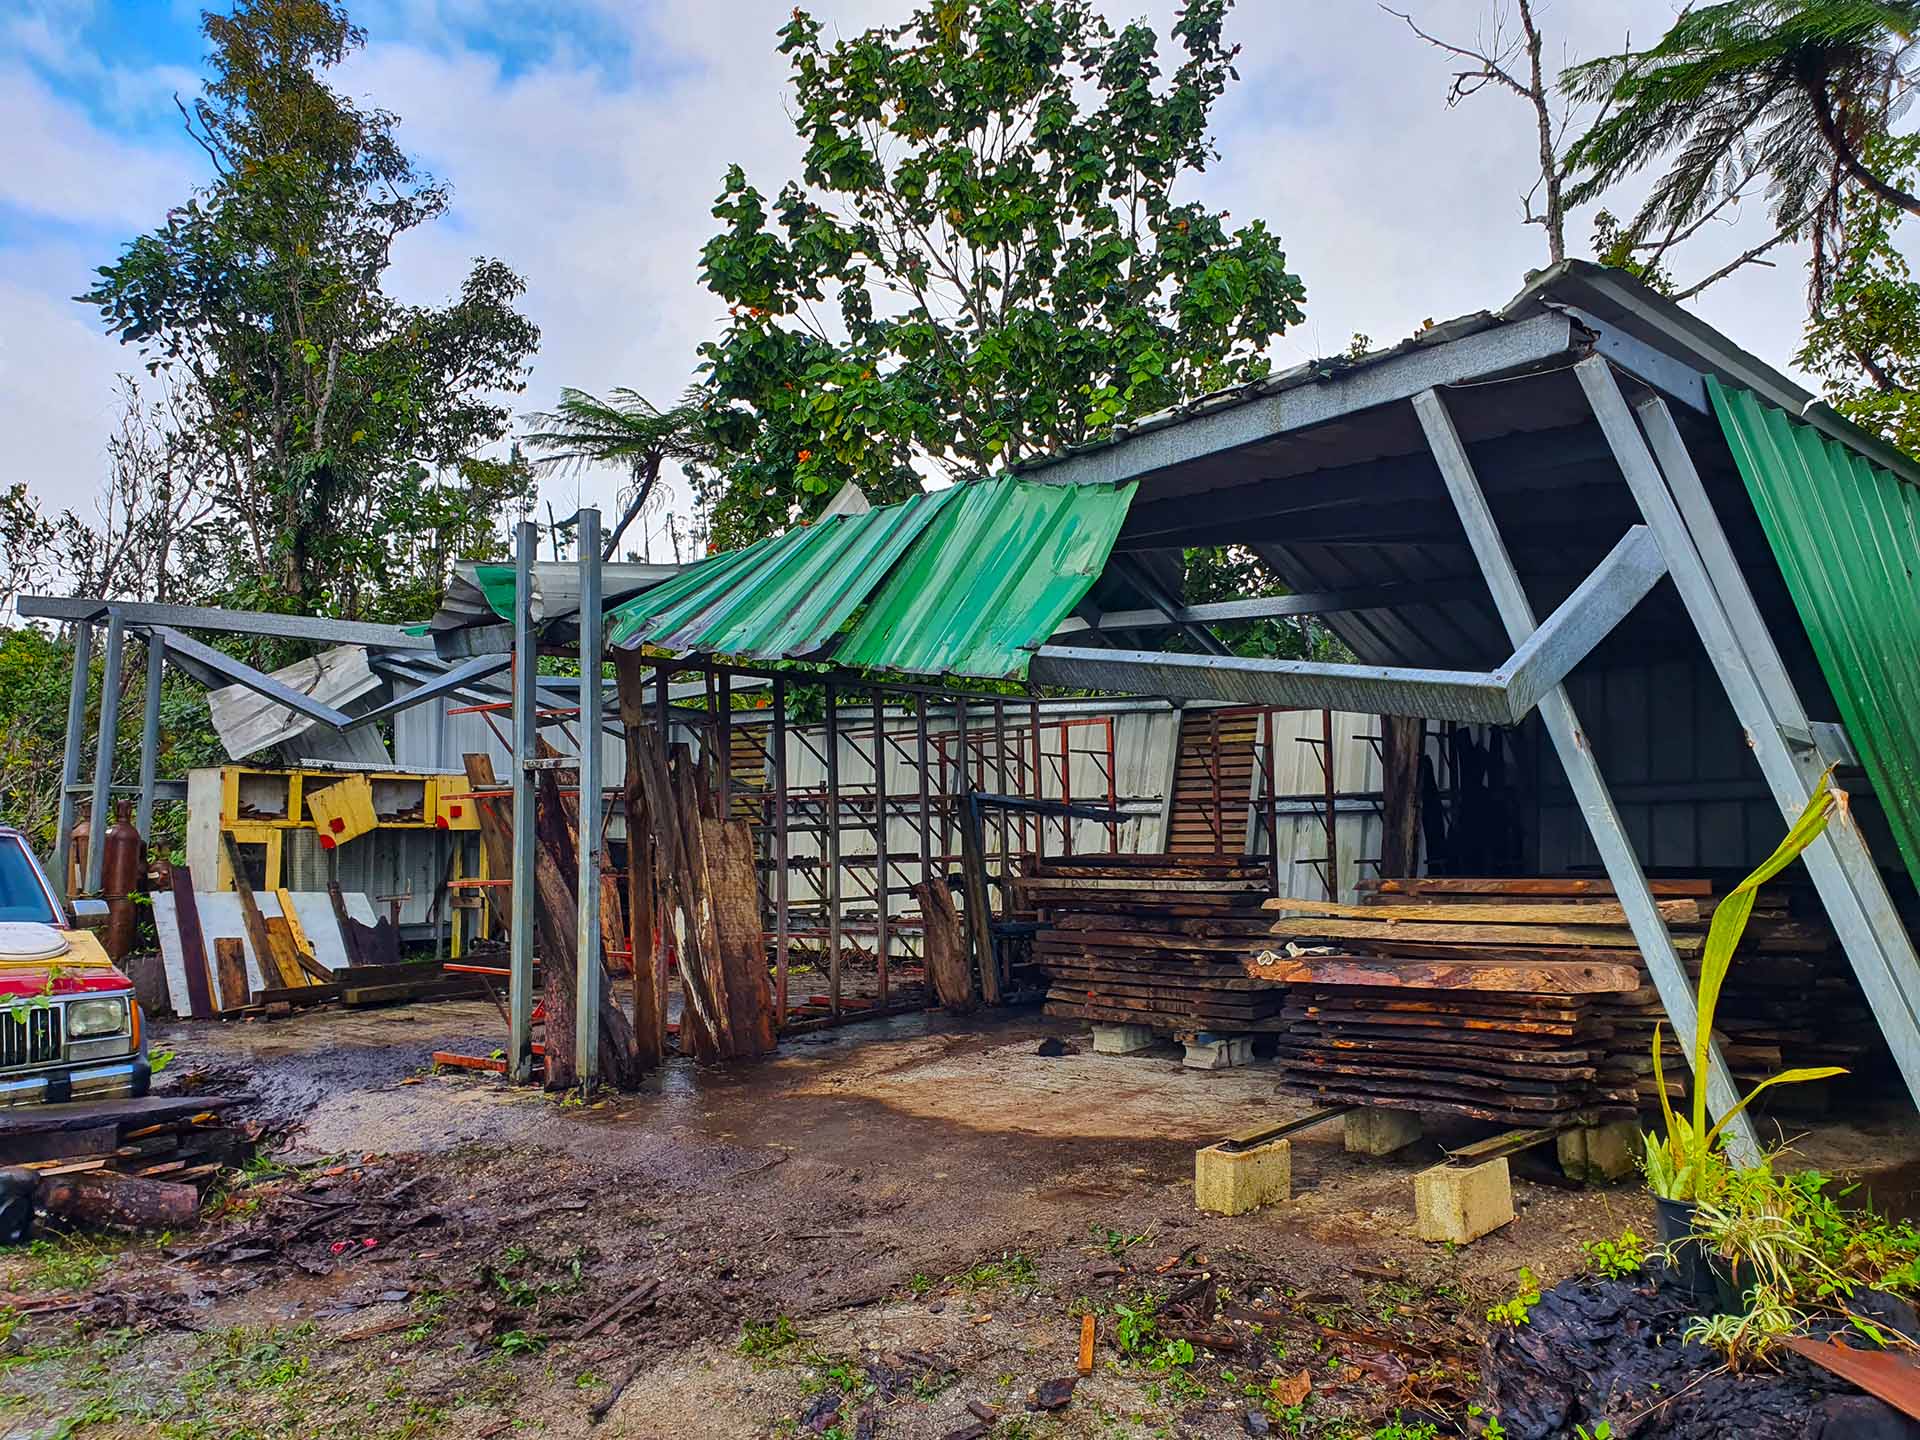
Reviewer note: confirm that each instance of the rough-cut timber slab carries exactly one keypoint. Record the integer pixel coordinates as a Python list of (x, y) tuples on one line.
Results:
[(1598, 912), (89, 1114), (1525, 885), (1546, 978), (1610, 937)]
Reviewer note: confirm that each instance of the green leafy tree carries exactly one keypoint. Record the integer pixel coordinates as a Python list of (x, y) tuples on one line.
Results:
[(345, 425), (626, 431), (1791, 89), (984, 258), (1863, 336)]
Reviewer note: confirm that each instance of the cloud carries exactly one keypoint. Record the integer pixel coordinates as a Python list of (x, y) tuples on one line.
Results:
[(585, 143)]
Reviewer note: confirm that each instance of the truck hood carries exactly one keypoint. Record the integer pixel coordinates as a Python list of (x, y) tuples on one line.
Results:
[(40, 960)]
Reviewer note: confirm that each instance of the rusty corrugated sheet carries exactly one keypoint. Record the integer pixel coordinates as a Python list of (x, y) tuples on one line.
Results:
[(1847, 536), (963, 581)]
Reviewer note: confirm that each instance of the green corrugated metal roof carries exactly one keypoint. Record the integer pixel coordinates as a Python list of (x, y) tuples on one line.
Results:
[(1847, 535), (964, 581)]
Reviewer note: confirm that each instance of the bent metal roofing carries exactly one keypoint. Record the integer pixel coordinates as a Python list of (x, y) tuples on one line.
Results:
[(968, 581)]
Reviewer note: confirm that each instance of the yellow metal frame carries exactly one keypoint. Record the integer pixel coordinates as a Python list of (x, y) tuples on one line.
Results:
[(443, 794)]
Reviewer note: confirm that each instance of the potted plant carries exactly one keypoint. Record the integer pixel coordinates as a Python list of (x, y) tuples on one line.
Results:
[(1685, 1165)]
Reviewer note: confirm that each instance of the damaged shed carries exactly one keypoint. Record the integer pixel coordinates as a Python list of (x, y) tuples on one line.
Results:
[(1632, 582)]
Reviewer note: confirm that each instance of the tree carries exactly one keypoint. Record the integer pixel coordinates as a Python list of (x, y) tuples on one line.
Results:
[(1863, 334), (984, 258), (339, 421), (1793, 90), (150, 533), (628, 431), (1507, 56), (1512, 62)]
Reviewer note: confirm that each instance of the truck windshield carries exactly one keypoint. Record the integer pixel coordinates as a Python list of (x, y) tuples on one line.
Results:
[(22, 896)]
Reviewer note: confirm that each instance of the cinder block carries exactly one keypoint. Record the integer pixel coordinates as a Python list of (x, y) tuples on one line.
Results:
[(1121, 1039), (1460, 1203), (1599, 1153), (1218, 1052), (1232, 1182), (1380, 1132)]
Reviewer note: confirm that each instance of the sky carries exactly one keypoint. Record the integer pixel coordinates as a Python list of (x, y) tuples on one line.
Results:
[(585, 141)]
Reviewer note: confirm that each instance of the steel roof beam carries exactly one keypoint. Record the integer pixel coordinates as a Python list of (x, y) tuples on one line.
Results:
[(1274, 607), (1500, 697), (229, 622), (1494, 351), (189, 654), (1584, 775)]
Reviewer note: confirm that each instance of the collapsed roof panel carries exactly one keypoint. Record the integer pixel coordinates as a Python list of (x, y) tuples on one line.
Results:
[(968, 580)]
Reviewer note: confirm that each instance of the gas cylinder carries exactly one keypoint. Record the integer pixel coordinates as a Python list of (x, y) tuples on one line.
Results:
[(119, 877)]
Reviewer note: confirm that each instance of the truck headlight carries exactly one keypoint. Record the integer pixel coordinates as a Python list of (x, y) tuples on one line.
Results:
[(87, 1019)]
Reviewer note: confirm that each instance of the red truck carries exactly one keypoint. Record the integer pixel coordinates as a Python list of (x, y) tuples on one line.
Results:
[(70, 1027)]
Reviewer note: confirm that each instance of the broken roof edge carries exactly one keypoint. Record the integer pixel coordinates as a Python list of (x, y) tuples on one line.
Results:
[(1616, 298), (1482, 345)]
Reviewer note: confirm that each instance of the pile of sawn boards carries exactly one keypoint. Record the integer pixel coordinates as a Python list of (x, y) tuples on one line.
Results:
[(1154, 940), (1526, 999)]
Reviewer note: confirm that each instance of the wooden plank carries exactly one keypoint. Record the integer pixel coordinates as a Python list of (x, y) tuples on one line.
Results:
[(230, 961), (280, 945), (946, 948), (1600, 912), (252, 921), (1526, 885), (1546, 978), (193, 945), (1586, 936), (1154, 885)]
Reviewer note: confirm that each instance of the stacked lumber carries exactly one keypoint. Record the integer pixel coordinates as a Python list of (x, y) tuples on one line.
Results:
[(1526, 999), (1155, 940), (695, 891), (1790, 999), (135, 1162)]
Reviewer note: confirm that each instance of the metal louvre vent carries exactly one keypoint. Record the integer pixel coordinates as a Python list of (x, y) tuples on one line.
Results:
[(34, 1038)]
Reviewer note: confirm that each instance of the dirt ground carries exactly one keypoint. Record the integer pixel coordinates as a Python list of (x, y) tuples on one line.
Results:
[(864, 1236)]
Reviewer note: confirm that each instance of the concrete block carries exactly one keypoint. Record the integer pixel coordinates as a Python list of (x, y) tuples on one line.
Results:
[(1380, 1132), (1597, 1154), (1232, 1182), (1121, 1039), (1218, 1052), (1460, 1203)]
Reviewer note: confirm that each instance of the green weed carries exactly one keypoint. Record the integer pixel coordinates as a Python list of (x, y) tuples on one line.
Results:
[(762, 1340)]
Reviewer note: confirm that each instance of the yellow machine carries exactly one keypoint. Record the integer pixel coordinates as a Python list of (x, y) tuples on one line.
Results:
[(343, 809)]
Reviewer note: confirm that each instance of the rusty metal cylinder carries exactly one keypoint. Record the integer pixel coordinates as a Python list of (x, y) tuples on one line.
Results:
[(120, 875)]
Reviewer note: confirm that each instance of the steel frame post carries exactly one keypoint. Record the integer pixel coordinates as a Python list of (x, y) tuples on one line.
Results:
[(526, 667), (59, 864), (150, 734), (587, 959), (833, 849), (881, 886), (103, 752), (1742, 651), (782, 922), (1583, 771)]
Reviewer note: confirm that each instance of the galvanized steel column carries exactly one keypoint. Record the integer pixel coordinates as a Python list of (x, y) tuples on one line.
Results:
[(1742, 651), (103, 755), (1583, 771), (833, 848), (587, 962), (526, 666), (59, 863), (781, 905), (150, 733)]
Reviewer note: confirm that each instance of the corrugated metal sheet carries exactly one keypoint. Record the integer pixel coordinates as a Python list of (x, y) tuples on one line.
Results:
[(994, 575), (1847, 535), (966, 581)]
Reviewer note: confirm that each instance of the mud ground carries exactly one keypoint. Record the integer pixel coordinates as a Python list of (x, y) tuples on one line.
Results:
[(864, 1236)]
